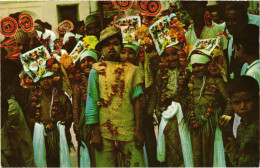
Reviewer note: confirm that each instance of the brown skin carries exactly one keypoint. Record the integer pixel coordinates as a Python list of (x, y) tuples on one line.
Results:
[(93, 29), (233, 21), (243, 57), (128, 55), (111, 49), (86, 64), (171, 57), (199, 69), (81, 30), (196, 12), (46, 84), (245, 106)]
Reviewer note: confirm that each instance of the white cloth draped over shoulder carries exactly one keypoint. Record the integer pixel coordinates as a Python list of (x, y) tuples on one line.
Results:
[(175, 109)]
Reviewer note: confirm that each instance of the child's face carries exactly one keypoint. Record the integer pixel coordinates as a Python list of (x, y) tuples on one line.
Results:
[(199, 69), (46, 83), (128, 55), (86, 64), (243, 103), (171, 57)]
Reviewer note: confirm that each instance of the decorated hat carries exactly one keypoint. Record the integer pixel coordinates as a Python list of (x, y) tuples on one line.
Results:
[(107, 33), (34, 63), (133, 46), (86, 53), (89, 42), (90, 19), (208, 51), (129, 25)]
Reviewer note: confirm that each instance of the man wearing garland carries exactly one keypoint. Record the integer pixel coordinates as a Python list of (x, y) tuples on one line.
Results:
[(113, 105), (208, 105), (48, 106)]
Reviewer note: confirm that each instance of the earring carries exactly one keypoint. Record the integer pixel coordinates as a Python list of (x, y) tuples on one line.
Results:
[(208, 19)]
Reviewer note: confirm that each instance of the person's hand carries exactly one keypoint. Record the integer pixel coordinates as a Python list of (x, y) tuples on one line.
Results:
[(139, 139), (224, 120)]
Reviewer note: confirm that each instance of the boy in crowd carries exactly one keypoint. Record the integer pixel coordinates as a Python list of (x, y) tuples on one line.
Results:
[(243, 151)]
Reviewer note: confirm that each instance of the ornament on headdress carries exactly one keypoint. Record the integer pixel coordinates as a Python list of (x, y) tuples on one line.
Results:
[(8, 26), (208, 19), (14, 55), (26, 22), (64, 27), (34, 63), (90, 42), (153, 8), (141, 6), (129, 25), (123, 5), (9, 43), (211, 48)]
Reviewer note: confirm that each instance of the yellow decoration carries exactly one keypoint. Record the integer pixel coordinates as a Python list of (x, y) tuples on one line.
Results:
[(40, 72), (142, 32), (128, 37), (90, 42), (66, 60)]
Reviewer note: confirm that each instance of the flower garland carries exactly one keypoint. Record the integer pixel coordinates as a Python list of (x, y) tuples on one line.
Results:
[(84, 88), (36, 107), (197, 123), (118, 88)]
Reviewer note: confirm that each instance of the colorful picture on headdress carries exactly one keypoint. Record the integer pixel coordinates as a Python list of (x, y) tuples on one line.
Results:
[(160, 34), (76, 51), (129, 26), (34, 63), (206, 45)]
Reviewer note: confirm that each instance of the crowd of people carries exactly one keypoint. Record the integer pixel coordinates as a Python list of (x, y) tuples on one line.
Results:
[(182, 89)]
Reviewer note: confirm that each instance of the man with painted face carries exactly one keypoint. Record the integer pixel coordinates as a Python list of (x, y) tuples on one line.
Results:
[(113, 106), (83, 133), (207, 104)]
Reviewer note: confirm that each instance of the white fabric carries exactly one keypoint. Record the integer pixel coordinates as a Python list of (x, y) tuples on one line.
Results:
[(78, 36), (84, 156), (64, 149), (243, 70), (172, 110), (199, 59), (253, 70), (253, 19), (52, 35), (219, 155), (206, 33), (66, 37), (146, 164), (86, 53), (236, 124), (39, 149)]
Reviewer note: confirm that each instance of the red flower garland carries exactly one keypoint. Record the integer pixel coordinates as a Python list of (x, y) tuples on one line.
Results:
[(36, 107)]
